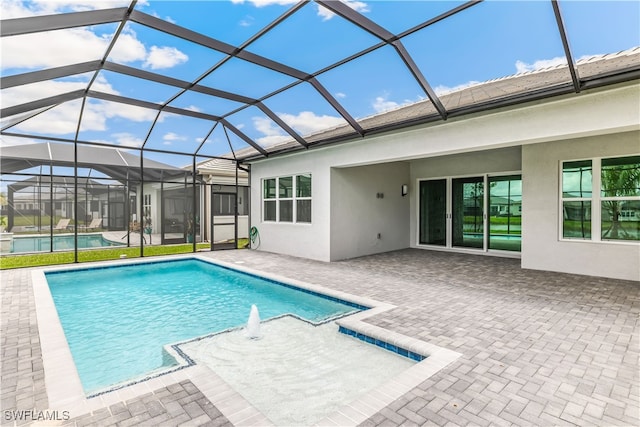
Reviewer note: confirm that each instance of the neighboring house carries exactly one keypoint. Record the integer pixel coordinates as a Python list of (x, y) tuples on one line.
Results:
[(36, 199), (501, 206), (347, 200)]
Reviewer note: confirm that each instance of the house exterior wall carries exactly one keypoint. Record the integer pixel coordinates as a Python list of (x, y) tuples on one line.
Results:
[(303, 240), (542, 247), (363, 222), (606, 111)]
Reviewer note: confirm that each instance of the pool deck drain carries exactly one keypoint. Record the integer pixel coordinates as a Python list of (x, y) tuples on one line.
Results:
[(65, 389), (538, 348)]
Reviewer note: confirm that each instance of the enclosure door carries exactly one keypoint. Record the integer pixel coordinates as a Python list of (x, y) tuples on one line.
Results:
[(224, 220), (116, 216), (176, 213), (433, 212)]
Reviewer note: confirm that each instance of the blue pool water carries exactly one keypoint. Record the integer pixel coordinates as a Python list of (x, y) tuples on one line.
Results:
[(117, 319), (60, 243)]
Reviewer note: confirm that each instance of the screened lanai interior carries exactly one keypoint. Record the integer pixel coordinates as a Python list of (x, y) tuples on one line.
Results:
[(178, 84)]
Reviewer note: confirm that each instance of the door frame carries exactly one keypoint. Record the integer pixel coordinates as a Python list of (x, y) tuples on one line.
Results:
[(449, 215), (224, 246)]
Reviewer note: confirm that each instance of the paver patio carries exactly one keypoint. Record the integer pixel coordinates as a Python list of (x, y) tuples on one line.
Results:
[(538, 348)]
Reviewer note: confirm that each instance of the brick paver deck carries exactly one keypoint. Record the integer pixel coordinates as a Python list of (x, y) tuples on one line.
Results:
[(538, 348)]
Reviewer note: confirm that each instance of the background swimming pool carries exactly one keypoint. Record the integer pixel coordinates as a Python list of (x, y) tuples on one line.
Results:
[(117, 319), (60, 243)]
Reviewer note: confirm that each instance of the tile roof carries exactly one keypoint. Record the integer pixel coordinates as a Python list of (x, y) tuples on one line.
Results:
[(485, 93)]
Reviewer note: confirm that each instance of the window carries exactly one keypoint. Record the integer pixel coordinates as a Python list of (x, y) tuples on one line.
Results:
[(577, 180), (269, 196), (303, 198), (620, 198), (287, 199), (612, 211)]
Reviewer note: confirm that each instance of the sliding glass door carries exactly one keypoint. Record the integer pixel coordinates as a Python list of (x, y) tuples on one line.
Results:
[(467, 211), (460, 213), (505, 212), (433, 212)]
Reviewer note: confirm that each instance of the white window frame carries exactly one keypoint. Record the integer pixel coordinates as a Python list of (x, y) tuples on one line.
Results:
[(596, 200), (294, 199), (300, 198)]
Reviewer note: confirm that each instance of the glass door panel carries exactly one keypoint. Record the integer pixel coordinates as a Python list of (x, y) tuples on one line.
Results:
[(505, 213), (433, 210), (467, 209)]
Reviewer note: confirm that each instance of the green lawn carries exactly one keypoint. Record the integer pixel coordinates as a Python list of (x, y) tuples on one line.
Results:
[(54, 258)]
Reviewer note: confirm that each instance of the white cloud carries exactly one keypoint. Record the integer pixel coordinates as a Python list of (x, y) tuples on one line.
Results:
[(63, 119), (74, 45), (166, 18), (60, 120), (307, 122), (340, 95), (128, 48), (26, 93), (304, 123), (102, 85), (126, 139), (382, 104), (170, 137), (164, 57), (52, 49), (443, 90), (523, 67), (358, 6), (247, 22), (266, 126)]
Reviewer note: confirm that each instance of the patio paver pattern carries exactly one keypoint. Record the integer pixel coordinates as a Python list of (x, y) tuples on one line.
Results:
[(538, 348)]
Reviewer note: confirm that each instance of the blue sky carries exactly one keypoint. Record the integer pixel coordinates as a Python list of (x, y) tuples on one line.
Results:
[(487, 41)]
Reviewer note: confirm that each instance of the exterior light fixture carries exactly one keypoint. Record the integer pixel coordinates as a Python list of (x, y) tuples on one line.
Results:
[(405, 190)]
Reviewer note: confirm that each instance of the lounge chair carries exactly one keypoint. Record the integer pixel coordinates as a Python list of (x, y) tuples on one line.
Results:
[(95, 223), (63, 224)]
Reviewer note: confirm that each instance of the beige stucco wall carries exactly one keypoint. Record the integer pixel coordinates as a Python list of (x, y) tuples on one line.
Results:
[(362, 222)]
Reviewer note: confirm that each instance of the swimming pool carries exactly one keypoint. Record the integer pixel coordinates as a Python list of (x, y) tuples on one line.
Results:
[(117, 319), (60, 243)]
